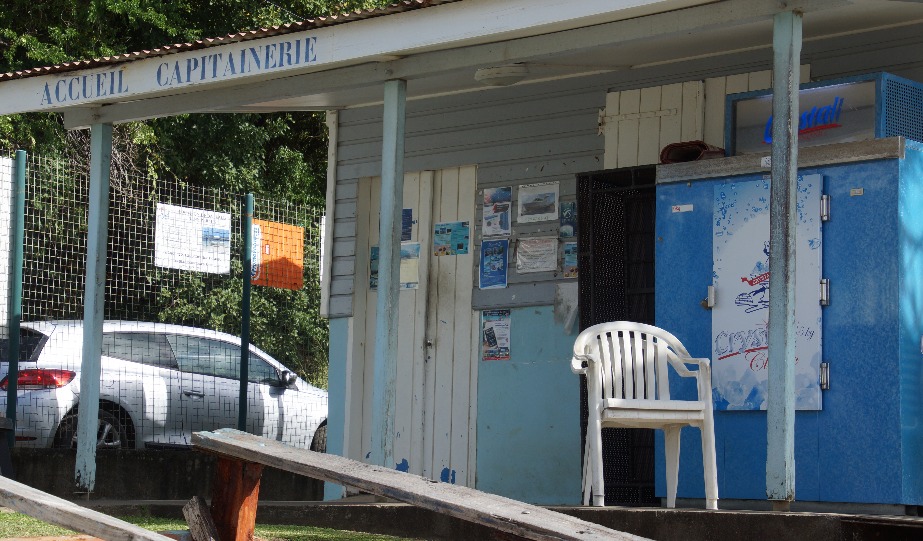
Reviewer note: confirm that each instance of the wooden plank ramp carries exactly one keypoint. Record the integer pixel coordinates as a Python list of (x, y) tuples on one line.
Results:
[(60, 512), (502, 514)]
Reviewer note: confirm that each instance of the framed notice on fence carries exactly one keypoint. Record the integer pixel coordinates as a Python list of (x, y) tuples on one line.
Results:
[(192, 239)]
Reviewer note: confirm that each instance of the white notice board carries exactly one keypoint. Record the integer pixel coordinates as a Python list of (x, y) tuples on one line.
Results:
[(192, 239)]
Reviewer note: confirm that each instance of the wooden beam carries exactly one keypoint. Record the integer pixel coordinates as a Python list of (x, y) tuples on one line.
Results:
[(502, 514), (235, 492), (433, 63), (60, 512), (200, 521)]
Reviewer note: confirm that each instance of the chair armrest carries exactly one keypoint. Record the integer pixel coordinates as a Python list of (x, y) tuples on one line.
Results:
[(576, 363), (703, 364)]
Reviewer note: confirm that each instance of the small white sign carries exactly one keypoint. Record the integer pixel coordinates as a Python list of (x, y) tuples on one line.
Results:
[(766, 161), (681, 208), (192, 239)]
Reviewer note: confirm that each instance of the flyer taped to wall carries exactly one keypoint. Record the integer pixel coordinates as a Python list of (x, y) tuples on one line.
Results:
[(538, 202), (495, 335), (497, 211), (494, 259), (539, 254)]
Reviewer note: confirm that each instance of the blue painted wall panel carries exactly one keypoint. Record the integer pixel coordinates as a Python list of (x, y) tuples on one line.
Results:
[(528, 445), (910, 224), (336, 397), (865, 445), (859, 432)]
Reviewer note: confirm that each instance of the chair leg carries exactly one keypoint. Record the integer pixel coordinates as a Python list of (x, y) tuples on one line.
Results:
[(709, 463), (595, 443), (671, 446), (585, 481)]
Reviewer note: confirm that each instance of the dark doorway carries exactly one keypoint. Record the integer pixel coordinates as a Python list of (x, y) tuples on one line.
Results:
[(616, 281)]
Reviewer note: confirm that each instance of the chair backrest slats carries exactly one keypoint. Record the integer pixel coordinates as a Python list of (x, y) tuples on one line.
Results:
[(632, 363), (663, 381), (606, 362), (650, 361)]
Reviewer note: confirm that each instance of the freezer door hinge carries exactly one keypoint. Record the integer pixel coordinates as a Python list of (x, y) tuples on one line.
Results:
[(825, 292), (825, 376), (824, 207)]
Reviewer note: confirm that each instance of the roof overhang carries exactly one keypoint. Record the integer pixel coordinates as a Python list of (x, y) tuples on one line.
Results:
[(437, 49)]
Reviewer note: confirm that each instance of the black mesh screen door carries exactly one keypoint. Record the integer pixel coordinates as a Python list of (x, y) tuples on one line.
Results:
[(616, 282)]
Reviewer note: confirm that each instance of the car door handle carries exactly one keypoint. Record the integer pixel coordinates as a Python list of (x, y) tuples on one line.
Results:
[(197, 394)]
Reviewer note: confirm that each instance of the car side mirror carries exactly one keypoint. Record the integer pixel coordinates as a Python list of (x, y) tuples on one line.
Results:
[(289, 378)]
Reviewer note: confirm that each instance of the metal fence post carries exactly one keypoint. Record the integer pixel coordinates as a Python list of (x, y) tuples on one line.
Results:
[(247, 274), (14, 316)]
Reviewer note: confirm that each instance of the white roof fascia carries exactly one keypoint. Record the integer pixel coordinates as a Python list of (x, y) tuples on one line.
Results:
[(237, 97), (450, 25)]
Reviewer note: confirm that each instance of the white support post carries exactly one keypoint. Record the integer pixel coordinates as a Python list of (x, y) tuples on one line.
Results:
[(389, 260), (783, 216), (94, 297)]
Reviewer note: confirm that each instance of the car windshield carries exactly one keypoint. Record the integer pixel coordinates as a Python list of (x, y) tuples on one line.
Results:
[(30, 345)]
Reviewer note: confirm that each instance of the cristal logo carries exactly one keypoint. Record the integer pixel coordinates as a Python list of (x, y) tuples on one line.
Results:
[(817, 119)]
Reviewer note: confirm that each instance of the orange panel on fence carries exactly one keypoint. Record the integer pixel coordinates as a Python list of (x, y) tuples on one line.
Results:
[(278, 255)]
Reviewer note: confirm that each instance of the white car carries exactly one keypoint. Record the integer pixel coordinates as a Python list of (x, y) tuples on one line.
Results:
[(159, 383)]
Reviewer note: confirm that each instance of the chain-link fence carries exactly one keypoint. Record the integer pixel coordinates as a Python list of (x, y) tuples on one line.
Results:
[(173, 290)]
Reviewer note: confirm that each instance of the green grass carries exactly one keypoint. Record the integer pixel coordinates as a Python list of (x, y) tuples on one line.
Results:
[(19, 525)]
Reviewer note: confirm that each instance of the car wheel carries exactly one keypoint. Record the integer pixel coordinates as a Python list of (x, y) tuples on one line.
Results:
[(319, 443), (110, 433)]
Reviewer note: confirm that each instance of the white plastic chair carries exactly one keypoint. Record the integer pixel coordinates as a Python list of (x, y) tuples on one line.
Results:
[(627, 387)]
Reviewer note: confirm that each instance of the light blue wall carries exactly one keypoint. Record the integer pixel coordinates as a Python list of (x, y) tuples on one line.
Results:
[(864, 446), (528, 438), (336, 397)]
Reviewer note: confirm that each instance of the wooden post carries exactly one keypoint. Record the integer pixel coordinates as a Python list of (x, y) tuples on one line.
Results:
[(389, 260), (93, 299), (783, 221), (235, 492)]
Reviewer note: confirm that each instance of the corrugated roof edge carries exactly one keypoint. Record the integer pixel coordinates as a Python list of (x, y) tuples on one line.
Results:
[(320, 22)]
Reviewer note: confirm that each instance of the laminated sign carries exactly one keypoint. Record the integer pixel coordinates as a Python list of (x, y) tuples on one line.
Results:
[(192, 239), (277, 259)]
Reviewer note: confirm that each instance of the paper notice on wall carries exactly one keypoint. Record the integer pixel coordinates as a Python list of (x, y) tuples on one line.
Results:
[(539, 254), (410, 266), (568, 219), (192, 239), (538, 202), (494, 258), (570, 259), (497, 211), (495, 335), (451, 238)]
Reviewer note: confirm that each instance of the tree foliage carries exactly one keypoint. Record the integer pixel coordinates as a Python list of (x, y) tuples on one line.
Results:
[(280, 156)]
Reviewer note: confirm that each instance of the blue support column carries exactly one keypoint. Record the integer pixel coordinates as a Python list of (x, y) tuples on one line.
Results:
[(93, 301), (14, 316), (783, 219), (389, 260)]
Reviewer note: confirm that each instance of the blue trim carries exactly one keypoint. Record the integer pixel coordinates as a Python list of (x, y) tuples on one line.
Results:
[(336, 396)]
